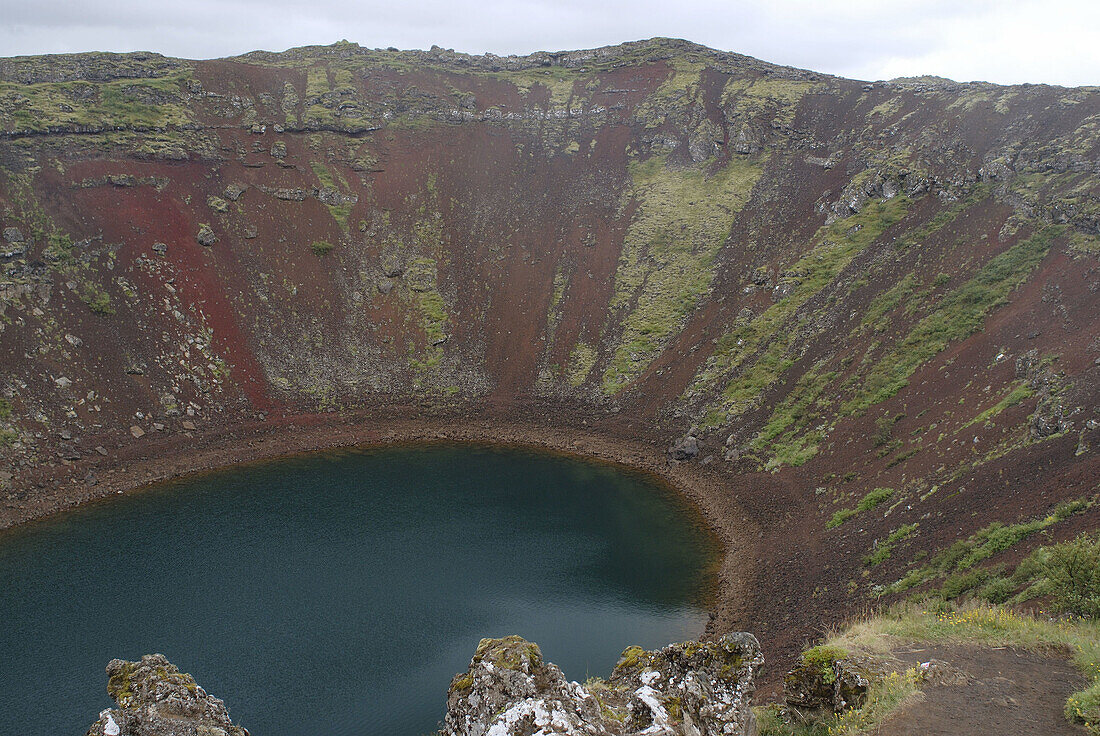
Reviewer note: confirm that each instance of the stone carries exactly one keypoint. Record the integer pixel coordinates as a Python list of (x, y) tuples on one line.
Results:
[(834, 683), (101, 450), (278, 149), (706, 141), (291, 195), (703, 689), (233, 192), (160, 248), (155, 699), (685, 449), (206, 236), (13, 235), (385, 285), (137, 431), (189, 426), (782, 291), (1046, 423)]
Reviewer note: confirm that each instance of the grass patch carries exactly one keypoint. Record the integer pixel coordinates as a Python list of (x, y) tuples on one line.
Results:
[(874, 498), (321, 247), (868, 502), (141, 104), (882, 552), (1020, 392), (965, 554), (959, 315), (581, 361), (683, 217), (839, 518), (98, 300)]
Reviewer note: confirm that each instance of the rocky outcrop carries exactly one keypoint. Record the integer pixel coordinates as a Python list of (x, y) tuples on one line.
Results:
[(693, 688), (833, 682), (156, 699)]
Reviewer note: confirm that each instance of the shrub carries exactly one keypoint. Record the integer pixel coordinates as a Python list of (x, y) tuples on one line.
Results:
[(839, 518), (1074, 571), (998, 591), (874, 498), (321, 247), (97, 299), (884, 431), (963, 582)]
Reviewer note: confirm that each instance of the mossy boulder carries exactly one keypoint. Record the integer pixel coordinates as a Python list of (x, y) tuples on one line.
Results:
[(700, 688), (206, 237), (830, 678), (156, 699)]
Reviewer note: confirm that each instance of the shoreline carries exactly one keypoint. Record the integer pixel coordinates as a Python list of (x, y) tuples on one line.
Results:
[(139, 465)]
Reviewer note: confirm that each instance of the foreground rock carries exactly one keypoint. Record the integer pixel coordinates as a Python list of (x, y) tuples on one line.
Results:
[(828, 679), (697, 689), (156, 699)]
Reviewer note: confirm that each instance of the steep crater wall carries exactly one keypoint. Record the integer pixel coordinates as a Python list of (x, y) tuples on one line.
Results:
[(862, 313)]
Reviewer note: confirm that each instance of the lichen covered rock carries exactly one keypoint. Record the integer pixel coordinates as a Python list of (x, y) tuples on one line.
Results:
[(694, 688), (830, 679), (156, 699)]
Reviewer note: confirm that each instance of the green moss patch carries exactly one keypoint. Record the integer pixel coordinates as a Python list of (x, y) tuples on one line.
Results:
[(683, 217)]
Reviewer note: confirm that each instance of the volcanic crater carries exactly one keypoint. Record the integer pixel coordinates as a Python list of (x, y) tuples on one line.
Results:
[(853, 322)]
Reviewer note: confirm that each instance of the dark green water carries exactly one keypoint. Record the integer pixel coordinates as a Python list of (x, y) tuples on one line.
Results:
[(338, 593)]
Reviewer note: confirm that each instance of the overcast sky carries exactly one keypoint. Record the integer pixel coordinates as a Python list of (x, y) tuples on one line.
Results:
[(1005, 41)]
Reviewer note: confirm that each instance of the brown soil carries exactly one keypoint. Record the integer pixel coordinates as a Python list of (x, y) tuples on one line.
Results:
[(996, 691)]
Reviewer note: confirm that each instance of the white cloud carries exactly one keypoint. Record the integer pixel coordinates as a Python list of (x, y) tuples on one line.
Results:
[(1008, 41)]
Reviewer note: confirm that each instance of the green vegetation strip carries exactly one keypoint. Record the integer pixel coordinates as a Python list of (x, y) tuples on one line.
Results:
[(837, 245), (965, 554), (959, 315), (868, 502), (683, 217), (783, 432)]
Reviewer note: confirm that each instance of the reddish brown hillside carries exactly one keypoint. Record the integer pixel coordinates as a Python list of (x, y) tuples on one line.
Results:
[(835, 286)]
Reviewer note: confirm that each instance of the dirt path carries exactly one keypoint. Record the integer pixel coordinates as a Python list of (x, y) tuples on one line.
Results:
[(987, 691)]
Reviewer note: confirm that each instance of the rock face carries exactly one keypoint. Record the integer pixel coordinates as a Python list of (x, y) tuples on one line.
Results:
[(156, 699), (693, 688), (206, 236), (834, 684)]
